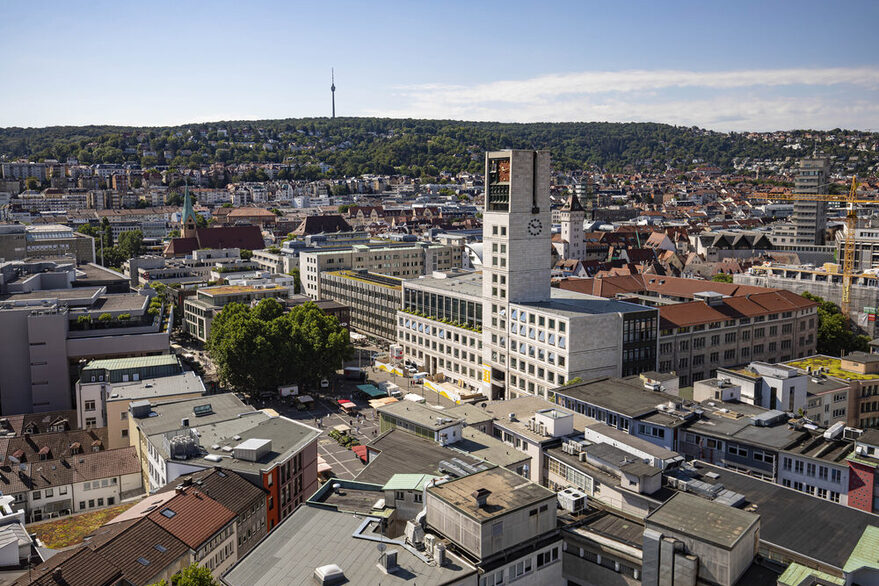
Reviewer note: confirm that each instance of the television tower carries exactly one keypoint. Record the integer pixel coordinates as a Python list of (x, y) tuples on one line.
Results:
[(333, 89)]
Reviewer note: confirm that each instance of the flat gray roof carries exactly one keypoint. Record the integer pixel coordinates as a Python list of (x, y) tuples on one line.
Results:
[(405, 453), (572, 304), (169, 415), (626, 397), (524, 407), (705, 520), (313, 537), (490, 449), (467, 284), (419, 414), (121, 302), (77, 293), (164, 386), (508, 492), (817, 528), (287, 437)]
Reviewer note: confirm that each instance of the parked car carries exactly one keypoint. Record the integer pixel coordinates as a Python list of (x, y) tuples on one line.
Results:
[(324, 383)]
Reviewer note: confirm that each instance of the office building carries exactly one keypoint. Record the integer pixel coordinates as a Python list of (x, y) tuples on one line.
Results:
[(810, 217), (18, 242), (697, 338), (401, 260), (534, 336), (199, 311), (177, 438), (373, 300), (50, 324)]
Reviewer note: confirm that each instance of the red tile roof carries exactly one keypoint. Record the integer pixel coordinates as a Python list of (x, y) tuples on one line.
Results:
[(698, 312), (249, 237), (192, 517)]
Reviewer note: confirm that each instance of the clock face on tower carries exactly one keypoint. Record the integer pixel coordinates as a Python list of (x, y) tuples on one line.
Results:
[(535, 227)]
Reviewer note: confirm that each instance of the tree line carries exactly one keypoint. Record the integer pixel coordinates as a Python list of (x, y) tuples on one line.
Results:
[(418, 148)]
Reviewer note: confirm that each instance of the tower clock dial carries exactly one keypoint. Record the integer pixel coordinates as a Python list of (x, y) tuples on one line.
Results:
[(535, 227)]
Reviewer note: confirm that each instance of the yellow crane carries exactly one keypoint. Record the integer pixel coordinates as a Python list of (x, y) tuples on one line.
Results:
[(851, 223)]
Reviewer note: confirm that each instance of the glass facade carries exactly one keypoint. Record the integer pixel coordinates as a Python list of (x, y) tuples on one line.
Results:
[(438, 306)]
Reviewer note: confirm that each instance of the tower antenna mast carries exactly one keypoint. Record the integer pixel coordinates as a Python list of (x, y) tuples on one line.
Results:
[(333, 89)]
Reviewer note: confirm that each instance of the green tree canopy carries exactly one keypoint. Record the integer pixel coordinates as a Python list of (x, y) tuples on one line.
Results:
[(835, 337), (193, 575), (264, 347), (130, 243), (722, 278)]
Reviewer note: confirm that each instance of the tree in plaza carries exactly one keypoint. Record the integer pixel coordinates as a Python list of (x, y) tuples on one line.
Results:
[(265, 346), (835, 337), (722, 278)]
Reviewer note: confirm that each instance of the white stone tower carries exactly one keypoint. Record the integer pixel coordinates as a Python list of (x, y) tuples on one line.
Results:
[(572, 215), (517, 249)]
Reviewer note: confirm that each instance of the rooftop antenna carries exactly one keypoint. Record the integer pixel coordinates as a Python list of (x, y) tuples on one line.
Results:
[(333, 89)]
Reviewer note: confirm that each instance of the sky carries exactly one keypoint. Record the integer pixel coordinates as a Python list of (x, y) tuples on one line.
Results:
[(724, 65)]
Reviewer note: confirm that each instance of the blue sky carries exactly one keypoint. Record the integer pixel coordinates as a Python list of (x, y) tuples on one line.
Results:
[(723, 65)]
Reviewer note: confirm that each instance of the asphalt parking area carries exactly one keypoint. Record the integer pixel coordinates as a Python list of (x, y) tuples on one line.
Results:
[(325, 415)]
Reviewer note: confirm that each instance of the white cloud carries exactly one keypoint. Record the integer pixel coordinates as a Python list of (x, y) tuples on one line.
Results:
[(732, 100)]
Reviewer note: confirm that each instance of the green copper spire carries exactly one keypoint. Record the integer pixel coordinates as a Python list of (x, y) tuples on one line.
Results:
[(188, 212)]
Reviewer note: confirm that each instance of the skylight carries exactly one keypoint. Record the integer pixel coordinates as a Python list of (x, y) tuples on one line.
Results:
[(160, 548), (143, 561), (168, 513), (200, 410)]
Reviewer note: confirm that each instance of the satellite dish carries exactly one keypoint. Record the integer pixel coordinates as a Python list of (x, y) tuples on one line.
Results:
[(14, 460), (22, 467), (381, 547)]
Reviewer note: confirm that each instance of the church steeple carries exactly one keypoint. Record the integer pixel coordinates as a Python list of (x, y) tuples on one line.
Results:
[(187, 219), (573, 204)]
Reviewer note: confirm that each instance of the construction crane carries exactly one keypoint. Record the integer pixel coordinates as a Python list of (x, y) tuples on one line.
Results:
[(851, 223)]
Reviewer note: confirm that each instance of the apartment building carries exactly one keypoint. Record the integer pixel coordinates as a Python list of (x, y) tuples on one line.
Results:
[(246, 500), (181, 437), (373, 300), (817, 465), (697, 338), (65, 480), (199, 311), (404, 260), (851, 387), (207, 527)]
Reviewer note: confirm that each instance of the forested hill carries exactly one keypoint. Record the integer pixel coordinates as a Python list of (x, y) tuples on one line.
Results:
[(354, 146)]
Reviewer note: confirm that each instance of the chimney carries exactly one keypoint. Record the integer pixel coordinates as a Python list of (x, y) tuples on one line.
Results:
[(387, 563), (187, 481), (481, 496)]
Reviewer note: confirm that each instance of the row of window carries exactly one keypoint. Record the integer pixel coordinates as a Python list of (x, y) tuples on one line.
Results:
[(822, 493), (811, 469), (743, 321), (520, 568)]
